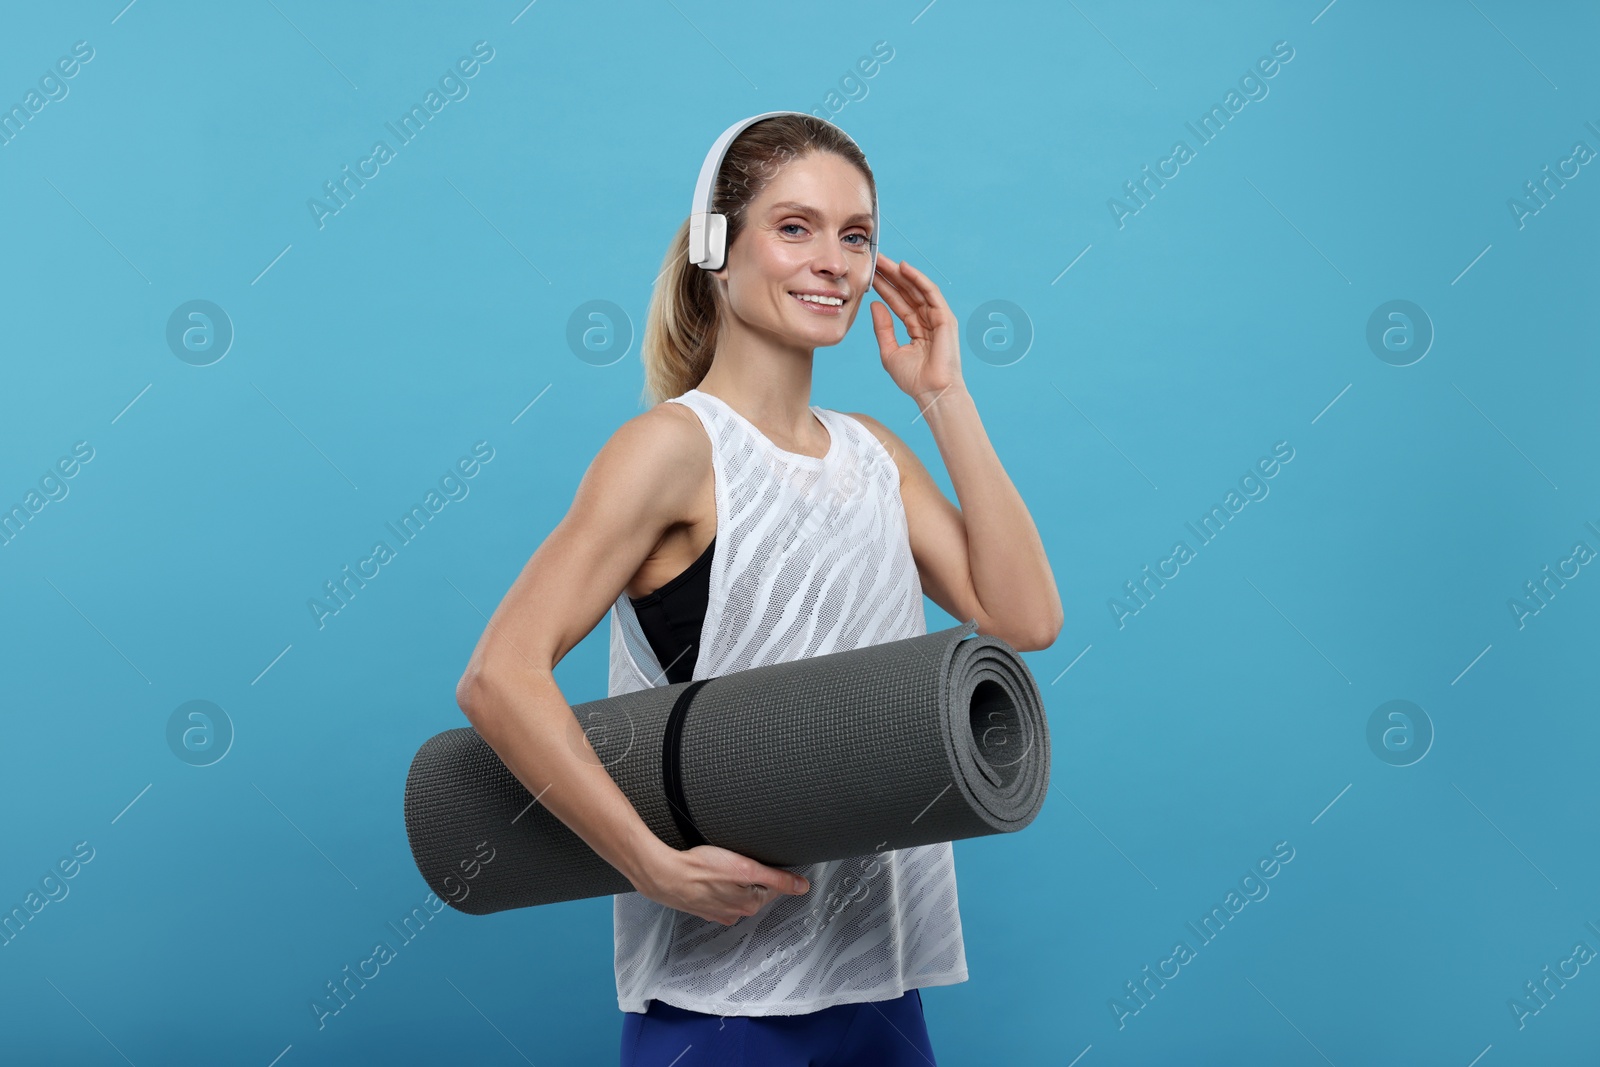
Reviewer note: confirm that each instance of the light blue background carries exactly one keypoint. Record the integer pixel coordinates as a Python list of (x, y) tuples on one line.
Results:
[(1227, 315)]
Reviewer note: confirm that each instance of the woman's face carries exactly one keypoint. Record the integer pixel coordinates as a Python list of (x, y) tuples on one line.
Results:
[(807, 232)]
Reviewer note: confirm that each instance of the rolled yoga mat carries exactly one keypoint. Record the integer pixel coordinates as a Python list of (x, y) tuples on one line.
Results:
[(931, 738)]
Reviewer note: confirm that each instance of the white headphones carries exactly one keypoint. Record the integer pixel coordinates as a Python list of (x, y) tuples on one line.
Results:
[(708, 230)]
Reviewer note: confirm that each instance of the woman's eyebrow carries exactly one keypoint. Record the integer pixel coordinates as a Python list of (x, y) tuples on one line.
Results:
[(806, 209)]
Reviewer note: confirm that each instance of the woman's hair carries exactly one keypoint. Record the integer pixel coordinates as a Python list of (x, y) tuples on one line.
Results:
[(680, 332)]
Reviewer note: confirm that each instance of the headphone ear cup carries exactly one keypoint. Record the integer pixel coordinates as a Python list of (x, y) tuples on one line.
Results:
[(716, 241)]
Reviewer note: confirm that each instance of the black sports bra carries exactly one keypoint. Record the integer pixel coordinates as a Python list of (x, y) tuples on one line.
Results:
[(673, 615)]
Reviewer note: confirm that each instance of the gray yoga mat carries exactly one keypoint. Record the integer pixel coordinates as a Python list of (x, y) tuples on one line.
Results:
[(931, 738)]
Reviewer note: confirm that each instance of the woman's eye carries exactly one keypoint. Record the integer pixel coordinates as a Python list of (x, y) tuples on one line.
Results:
[(862, 243)]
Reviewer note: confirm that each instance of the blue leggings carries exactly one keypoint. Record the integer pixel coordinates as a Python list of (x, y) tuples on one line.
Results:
[(882, 1033)]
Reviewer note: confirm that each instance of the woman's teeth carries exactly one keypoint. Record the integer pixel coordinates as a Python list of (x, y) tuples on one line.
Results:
[(826, 301)]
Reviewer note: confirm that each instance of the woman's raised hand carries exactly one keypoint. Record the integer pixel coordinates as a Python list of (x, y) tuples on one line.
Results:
[(930, 362)]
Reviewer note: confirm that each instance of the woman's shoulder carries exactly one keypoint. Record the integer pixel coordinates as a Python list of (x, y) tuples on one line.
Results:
[(666, 436), (878, 429), (884, 436), (650, 472)]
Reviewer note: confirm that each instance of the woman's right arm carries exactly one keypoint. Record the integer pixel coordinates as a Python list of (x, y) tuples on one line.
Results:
[(642, 482)]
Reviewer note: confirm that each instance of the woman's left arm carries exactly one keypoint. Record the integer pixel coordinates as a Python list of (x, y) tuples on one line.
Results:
[(984, 560)]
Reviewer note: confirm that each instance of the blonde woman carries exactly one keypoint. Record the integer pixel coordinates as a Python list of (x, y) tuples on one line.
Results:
[(733, 525)]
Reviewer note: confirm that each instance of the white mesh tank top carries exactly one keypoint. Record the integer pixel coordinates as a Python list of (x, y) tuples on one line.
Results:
[(812, 556)]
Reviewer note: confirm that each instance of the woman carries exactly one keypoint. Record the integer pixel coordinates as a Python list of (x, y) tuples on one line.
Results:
[(734, 525)]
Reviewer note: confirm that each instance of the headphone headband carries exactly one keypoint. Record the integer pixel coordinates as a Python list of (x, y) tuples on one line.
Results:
[(708, 230)]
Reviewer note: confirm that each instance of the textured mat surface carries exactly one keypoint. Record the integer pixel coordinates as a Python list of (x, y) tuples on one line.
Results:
[(934, 738)]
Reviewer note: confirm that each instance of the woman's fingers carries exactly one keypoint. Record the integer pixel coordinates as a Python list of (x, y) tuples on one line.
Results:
[(894, 283), (731, 887), (921, 285), (933, 302), (883, 329), (902, 294), (911, 283), (891, 293), (908, 313), (771, 879)]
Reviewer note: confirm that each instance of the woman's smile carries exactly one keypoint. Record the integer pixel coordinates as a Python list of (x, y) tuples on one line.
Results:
[(816, 308)]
